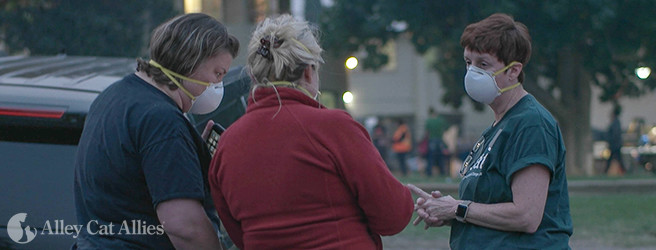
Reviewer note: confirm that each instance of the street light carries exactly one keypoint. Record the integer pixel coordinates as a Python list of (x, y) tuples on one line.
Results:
[(351, 63), (193, 6), (643, 72), (347, 97)]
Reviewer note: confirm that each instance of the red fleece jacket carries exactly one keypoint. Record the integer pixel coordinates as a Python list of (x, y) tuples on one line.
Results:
[(292, 174)]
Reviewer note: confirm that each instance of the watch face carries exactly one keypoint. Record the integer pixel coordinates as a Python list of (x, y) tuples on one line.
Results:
[(460, 211)]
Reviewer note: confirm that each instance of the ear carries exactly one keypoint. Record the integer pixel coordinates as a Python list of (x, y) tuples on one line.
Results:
[(515, 70), (307, 74)]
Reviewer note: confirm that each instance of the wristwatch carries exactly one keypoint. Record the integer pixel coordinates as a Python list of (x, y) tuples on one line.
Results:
[(461, 211)]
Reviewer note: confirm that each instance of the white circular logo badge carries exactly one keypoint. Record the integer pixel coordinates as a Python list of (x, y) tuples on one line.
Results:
[(17, 232)]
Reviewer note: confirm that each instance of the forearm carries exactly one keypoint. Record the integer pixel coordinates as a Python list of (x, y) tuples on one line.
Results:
[(231, 225), (503, 216), (387, 204), (525, 212), (200, 236), (388, 215), (500, 216), (187, 225), (395, 217)]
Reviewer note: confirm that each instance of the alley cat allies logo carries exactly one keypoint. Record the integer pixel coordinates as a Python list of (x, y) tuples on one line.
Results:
[(21, 233), (17, 232)]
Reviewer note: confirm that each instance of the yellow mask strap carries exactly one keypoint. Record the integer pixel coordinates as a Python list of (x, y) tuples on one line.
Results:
[(302, 45), (286, 83), (509, 87), (505, 68), (170, 74)]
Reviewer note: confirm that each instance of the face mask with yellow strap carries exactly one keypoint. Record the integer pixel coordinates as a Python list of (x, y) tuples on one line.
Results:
[(207, 101)]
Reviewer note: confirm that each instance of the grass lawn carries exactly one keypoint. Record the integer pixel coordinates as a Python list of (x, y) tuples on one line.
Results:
[(627, 220), (612, 220)]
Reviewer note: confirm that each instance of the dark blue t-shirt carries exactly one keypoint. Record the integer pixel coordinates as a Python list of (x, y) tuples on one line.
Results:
[(137, 150)]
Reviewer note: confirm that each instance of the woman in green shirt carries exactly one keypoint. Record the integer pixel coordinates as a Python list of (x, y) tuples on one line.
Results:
[(514, 189)]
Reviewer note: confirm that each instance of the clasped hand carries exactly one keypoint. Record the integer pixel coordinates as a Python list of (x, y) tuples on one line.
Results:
[(434, 209)]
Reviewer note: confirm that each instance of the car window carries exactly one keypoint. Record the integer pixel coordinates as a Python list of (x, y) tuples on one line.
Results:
[(65, 136)]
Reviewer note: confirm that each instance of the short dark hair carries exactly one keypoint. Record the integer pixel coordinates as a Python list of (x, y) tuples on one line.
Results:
[(184, 42), (501, 36)]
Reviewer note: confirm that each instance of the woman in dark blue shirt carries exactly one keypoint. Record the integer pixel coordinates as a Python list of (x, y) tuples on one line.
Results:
[(141, 167)]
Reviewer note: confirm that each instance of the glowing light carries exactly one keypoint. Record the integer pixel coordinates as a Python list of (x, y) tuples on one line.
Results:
[(351, 62), (193, 6), (347, 97), (643, 72)]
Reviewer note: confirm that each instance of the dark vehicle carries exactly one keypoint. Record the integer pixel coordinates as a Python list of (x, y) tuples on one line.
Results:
[(43, 105)]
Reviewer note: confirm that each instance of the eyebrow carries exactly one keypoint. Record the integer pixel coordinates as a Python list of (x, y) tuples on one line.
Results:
[(487, 57), (480, 58)]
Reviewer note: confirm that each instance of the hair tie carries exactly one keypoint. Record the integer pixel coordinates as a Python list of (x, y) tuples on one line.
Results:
[(265, 46)]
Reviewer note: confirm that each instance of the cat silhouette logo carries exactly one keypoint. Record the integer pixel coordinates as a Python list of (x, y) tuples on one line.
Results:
[(17, 232)]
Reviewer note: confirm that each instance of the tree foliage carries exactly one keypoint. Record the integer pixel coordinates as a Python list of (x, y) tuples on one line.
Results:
[(576, 44), (81, 27), (612, 36)]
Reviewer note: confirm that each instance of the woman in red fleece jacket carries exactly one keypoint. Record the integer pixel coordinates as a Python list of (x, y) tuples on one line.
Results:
[(291, 174)]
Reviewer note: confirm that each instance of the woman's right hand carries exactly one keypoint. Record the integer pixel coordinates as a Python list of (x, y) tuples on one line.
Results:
[(426, 203)]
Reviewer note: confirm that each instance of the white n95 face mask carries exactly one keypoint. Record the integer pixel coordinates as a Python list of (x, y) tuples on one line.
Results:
[(482, 86), (209, 100)]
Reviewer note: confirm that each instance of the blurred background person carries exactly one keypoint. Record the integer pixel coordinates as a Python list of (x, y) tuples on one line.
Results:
[(614, 139), (291, 174), (437, 150), (381, 140), (139, 158), (402, 145)]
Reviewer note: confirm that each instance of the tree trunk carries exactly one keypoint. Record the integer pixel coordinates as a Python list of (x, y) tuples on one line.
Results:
[(575, 120), (578, 143)]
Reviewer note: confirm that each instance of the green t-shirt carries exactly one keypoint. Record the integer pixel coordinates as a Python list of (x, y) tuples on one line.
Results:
[(526, 135), (435, 126)]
